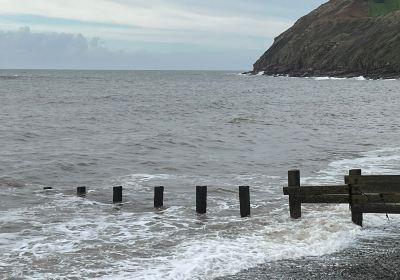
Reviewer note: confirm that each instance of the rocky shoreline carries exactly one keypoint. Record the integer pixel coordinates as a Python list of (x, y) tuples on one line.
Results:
[(368, 76)]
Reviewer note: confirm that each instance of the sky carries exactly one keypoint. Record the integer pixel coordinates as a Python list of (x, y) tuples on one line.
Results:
[(142, 34)]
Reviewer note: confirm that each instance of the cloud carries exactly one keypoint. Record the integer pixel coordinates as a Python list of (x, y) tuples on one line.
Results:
[(154, 34), (155, 14), (24, 49)]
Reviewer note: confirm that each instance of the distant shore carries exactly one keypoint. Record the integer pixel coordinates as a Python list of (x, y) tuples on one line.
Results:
[(368, 260)]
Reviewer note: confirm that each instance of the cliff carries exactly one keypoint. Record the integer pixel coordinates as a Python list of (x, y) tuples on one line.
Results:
[(340, 38)]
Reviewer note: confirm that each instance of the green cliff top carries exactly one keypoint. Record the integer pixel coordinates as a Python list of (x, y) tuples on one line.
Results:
[(383, 7)]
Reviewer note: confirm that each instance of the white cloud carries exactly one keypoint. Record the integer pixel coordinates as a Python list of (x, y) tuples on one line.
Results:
[(155, 14)]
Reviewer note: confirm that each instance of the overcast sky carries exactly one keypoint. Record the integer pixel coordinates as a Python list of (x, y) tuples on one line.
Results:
[(142, 34)]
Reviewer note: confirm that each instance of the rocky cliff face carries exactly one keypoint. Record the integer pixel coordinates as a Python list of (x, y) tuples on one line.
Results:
[(337, 39)]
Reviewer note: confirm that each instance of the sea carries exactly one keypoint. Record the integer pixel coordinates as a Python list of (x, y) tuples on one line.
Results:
[(181, 129)]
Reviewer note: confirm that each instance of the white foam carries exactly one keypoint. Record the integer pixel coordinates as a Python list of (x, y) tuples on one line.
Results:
[(244, 74), (325, 78), (360, 78), (382, 161), (198, 249), (136, 180), (212, 256)]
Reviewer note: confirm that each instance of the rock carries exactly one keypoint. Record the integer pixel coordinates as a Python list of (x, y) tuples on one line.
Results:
[(341, 38)]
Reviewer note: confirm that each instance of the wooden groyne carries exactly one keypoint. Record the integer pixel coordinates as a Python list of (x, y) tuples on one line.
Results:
[(363, 193)]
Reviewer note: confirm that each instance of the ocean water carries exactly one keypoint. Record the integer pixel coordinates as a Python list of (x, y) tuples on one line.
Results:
[(141, 129)]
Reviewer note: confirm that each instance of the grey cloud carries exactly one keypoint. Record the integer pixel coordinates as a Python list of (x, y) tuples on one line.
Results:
[(23, 49)]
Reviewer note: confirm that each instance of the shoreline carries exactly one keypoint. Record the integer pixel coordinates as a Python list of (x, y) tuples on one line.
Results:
[(369, 259), (324, 75)]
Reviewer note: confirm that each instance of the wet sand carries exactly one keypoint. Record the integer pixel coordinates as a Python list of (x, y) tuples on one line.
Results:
[(370, 259)]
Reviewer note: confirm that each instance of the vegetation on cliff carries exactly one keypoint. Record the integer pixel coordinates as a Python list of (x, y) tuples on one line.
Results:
[(382, 7)]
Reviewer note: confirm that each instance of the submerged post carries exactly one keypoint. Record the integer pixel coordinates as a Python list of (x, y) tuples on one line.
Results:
[(81, 191), (294, 204), (117, 194), (356, 217), (158, 197), (201, 199), (244, 198)]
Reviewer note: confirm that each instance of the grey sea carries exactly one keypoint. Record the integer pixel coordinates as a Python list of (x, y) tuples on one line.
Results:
[(179, 129)]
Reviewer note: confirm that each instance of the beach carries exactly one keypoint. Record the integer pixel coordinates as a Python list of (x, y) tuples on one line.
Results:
[(368, 259)]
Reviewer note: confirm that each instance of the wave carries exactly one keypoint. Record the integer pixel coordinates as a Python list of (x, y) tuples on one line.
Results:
[(174, 243), (9, 77), (159, 246), (383, 161), (322, 78), (359, 78)]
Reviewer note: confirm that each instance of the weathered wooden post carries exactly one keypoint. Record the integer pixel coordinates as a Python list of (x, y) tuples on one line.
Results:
[(244, 198), (294, 204), (158, 197), (201, 199), (356, 217), (81, 191), (117, 194)]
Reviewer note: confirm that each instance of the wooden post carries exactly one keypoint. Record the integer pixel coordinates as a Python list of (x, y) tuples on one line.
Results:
[(244, 198), (356, 217), (294, 204), (158, 197), (117, 194), (81, 191), (201, 199)]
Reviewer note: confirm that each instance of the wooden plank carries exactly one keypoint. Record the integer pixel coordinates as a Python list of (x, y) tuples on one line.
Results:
[(333, 198), (366, 180), (377, 208), (316, 190), (384, 189), (376, 198), (374, 184)]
